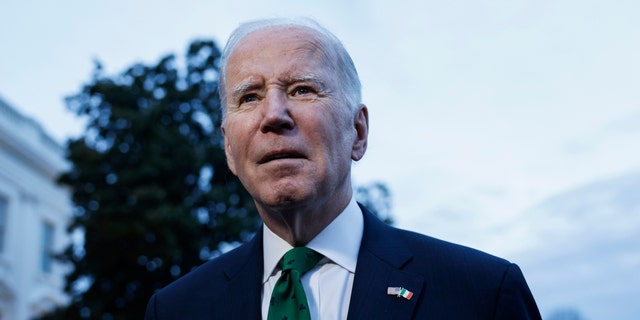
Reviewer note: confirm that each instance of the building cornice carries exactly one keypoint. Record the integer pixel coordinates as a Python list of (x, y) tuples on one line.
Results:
[(25, 139)]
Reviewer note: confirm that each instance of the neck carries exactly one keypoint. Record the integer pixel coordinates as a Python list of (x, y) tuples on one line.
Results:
[(299, 224)]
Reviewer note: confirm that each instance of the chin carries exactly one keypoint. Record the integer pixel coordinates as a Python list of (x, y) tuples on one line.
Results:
[(285, 199)]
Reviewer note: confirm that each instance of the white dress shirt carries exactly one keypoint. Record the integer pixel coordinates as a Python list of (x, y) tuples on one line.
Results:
[(328, 285)]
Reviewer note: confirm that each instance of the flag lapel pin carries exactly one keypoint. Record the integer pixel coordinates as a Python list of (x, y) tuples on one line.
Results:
[(399, 292)]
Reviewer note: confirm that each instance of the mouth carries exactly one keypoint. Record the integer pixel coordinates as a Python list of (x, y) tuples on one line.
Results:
[(281, 154)]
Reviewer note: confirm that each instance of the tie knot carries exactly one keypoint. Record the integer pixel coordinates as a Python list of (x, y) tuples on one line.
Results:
[(301, 259)]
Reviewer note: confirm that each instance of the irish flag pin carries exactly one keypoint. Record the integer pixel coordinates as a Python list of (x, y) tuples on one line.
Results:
[(399, 292)]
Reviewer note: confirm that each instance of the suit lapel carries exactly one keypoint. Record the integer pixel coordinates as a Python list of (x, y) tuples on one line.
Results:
[(381, 260), (243, 295)]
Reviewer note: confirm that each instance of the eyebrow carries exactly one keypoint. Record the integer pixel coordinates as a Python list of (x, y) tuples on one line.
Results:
[(308, 77), (240, 89), (243, 87)]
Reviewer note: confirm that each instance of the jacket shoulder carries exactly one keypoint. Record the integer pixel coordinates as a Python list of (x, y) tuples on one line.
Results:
[(438, 251), (214, 287), (458, 281)]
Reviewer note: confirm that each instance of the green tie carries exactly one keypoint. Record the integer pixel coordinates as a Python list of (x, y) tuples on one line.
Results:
[(288, 300)]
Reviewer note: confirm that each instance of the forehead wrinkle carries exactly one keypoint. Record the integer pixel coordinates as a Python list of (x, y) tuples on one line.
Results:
[(308, 45)]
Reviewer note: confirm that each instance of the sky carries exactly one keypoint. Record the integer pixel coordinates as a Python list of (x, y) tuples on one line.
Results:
[(488, 119)]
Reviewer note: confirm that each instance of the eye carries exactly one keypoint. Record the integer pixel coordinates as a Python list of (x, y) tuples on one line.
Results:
[(248, 98), (301, 90)]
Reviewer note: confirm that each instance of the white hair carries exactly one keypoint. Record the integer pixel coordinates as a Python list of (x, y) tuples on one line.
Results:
[(330, 46)]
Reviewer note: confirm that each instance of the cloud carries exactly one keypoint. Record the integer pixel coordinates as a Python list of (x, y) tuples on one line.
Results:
[(581, 248)]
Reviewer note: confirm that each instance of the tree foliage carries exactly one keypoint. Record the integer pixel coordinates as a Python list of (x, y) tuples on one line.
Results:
[(377, 198), (152, 192)]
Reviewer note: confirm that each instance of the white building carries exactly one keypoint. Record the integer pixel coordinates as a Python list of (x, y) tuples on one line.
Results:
[(34, 213)]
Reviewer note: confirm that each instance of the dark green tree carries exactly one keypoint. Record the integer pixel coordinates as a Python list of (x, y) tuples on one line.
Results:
[(152, 192), (377, 198)]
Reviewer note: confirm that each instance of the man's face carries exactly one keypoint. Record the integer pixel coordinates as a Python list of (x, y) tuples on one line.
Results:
[(289, 136)]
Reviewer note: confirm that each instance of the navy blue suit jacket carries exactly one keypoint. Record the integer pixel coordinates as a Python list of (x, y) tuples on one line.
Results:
[(448, 281)]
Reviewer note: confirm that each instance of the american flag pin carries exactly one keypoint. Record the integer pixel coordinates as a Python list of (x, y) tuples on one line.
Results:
[(399, 292)]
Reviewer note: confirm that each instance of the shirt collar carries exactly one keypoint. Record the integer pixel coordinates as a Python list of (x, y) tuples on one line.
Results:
[(338, 242)]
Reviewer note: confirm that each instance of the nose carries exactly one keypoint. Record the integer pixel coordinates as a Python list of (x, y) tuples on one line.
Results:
[(276, 114)]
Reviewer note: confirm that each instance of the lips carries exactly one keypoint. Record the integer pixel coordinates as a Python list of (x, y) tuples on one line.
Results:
[(281, 154)]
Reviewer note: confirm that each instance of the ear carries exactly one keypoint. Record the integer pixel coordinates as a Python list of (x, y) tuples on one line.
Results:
[(361, 125), (227, 151)]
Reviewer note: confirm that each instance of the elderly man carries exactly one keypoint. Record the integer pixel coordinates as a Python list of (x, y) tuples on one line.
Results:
[(293, 123)]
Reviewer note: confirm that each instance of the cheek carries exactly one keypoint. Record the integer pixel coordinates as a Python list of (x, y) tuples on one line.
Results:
[(233, 148), (231, 157), (343, 131)]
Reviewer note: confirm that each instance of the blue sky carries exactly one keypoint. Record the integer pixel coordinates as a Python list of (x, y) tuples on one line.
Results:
[(481, 111)]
